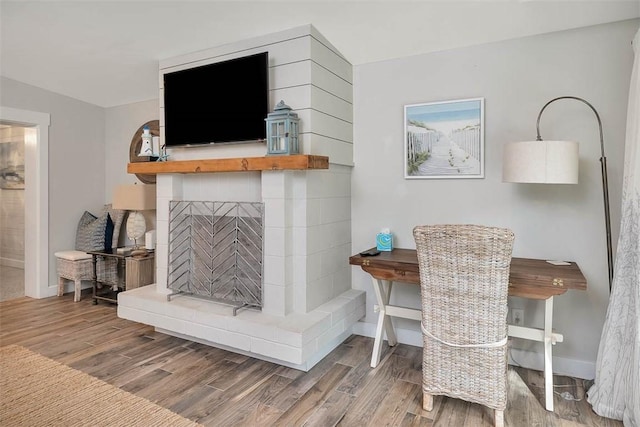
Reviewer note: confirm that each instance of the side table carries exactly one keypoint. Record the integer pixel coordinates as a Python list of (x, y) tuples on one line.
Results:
[(139, 271), (136, 272)]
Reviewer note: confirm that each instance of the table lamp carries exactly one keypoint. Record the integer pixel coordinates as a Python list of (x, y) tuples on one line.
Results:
[(554, 162), (135, 198)]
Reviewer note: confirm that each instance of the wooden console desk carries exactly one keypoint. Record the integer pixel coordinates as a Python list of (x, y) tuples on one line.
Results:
[(528, 278)]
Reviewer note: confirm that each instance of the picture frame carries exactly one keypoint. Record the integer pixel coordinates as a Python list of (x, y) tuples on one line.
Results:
[(12, 165), (444, 139)]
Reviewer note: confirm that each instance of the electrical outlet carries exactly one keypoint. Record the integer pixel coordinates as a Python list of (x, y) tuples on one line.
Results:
[(517, 316)]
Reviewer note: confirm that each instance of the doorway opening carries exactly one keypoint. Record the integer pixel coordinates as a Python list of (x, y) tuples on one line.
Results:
[(12, 185), (35, 175)]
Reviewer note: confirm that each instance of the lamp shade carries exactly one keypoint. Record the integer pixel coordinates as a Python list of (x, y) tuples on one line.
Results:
[(136, 197), (542, 162)]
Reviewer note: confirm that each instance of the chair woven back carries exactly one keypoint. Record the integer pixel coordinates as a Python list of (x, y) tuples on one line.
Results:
[(464, 277)]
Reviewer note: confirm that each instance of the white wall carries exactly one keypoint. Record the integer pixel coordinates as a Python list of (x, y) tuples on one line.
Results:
[(76, 159), (88, 155), (121, 123), (516, 78)]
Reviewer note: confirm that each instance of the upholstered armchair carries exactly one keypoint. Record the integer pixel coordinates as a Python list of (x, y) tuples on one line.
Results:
[(464, 277), (93, 233)]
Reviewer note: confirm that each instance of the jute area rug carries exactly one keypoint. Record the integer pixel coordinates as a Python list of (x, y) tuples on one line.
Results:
[(37, 391)]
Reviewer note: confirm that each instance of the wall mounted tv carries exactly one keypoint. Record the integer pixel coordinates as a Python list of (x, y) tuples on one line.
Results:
[(217, 103)]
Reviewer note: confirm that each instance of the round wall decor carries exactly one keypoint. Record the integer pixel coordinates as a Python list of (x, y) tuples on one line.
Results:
[(134, 149)]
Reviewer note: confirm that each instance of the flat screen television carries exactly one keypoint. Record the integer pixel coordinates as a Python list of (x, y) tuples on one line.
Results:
[(217, 103)]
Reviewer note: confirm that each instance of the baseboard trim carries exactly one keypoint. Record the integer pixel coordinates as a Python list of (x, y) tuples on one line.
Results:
[(561, 365), (527, 359)]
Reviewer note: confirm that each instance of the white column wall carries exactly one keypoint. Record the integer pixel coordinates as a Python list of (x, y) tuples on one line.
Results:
[(168, 187), (307, 235), (278, 289), (322, 227)]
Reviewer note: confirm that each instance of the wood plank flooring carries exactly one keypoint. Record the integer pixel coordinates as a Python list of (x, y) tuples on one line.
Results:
[(220, 388), (11, 283)]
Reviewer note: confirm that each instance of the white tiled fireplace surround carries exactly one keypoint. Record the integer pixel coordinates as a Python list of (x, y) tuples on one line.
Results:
[(309, 307)]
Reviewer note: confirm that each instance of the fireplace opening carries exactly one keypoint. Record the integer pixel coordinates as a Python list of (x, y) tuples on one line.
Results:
[(216, 251)]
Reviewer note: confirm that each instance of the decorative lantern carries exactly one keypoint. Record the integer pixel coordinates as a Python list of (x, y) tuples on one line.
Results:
[(282, 131)]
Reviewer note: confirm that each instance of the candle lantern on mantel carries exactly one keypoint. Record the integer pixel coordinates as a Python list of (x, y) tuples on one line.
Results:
[(282, 131)]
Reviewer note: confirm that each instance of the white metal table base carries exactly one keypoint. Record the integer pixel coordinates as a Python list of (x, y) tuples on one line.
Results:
[(385, 311)]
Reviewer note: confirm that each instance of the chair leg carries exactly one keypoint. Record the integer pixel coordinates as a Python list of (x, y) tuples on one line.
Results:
[(498, 418), (427, 401), (60, 286), (78, 290)]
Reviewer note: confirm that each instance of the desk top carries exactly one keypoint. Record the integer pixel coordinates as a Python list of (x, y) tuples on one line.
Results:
[(528, 278)]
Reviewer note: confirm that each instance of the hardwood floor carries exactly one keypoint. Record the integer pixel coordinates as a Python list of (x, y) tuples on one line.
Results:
[(219, 388), (11, 283)]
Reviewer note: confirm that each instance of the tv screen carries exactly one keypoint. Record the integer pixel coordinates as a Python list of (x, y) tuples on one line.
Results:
[(217, 103)]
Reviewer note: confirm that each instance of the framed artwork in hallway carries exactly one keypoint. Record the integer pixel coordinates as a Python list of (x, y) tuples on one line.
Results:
[(444, 139), (12, 165)]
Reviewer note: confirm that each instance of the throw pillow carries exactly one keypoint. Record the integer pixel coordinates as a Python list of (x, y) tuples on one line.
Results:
[(90, 234), (108, 233), (116, 216), (86, 218)]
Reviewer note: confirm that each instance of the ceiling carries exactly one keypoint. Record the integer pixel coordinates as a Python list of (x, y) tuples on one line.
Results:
[(107, 52)]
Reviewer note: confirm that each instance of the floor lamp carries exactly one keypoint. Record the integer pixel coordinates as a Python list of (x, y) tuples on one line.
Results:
[(555, 162)]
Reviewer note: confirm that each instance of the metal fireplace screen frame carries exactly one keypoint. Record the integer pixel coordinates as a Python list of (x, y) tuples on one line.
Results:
[(215, 251)]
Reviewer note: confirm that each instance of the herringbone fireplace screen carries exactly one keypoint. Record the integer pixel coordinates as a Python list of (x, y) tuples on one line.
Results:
[(215, 250)]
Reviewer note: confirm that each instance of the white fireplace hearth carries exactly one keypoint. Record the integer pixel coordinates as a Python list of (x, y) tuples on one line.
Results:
[(298, 340), (308, 306)]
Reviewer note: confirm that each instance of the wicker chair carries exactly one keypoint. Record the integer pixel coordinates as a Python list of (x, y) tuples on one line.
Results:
[(78, 265), (464, 277)]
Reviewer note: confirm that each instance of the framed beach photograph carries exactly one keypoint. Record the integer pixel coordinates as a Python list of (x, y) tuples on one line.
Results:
[(444, 139), (12, 165)]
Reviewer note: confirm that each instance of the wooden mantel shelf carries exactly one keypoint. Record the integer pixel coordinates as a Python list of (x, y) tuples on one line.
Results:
[(236, 164)]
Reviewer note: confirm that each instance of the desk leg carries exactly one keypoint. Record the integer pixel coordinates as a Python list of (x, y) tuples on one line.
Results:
[(548, 368), (384, 321)]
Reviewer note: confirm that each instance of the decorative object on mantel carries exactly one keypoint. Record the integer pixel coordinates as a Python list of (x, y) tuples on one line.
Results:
[(282, 131), (146, 148), (136, 146), (555, 162), (162, 156), (136, 197)]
